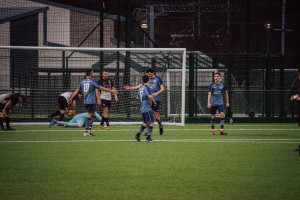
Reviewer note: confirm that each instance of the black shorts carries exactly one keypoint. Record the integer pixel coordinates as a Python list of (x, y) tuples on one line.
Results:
[(105, 103), (213, 109), (63, 104)]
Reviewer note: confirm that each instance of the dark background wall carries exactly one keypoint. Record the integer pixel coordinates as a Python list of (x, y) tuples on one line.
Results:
[(238, 31)]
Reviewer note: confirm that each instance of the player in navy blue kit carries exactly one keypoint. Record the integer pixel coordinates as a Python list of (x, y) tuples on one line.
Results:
[(7, 103), (107, 88), (91, 96), (156, 87), (146, 100), (215, 101)]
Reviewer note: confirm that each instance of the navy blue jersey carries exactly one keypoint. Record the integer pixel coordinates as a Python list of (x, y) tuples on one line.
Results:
[(88, 88), (155, 84), (217, 92), (146, 103)]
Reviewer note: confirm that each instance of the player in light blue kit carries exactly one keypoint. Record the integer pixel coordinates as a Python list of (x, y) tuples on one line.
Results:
[(156, 87), (91, 96), (215, 101), (78, 120), (146, 100)]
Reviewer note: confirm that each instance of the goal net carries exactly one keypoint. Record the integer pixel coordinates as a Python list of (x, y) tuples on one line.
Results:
[(43, 73)]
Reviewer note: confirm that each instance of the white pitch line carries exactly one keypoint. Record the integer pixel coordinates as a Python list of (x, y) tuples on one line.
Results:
[(122, 130), (265, 141)]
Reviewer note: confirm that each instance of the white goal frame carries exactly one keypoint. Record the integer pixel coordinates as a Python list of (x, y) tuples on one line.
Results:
[(182, 50)]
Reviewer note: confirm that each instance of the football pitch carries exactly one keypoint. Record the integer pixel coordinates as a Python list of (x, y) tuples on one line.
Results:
[(254, 161)]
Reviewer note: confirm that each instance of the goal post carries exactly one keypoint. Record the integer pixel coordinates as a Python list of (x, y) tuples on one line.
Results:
[(43, 73)]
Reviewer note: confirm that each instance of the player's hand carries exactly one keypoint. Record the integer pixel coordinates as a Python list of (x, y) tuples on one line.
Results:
[(154, 103), (208, 105), (227, 105), (99, 102), (154, 94), (70, 101), (116, 99), (114, 91), (294, 97), (126, 87)]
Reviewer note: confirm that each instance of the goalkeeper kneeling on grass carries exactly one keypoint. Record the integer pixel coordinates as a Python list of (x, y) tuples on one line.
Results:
[(78, 120)]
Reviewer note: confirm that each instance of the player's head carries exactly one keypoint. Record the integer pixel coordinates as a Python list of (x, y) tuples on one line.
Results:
[(150, 72), (217, 77), (22, 99), (89, 73), (105, 73), (145, 79), (79, 94)]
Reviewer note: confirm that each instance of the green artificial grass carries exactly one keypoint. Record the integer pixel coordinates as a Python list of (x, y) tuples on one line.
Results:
[(255, 161)]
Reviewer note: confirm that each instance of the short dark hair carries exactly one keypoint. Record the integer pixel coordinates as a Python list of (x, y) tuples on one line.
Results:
[(104, 70), (145, 79), (217, 73), (88, 72), (152, 70)]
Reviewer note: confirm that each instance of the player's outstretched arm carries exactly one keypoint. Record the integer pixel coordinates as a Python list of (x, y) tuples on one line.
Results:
[(127, 87), (113, 90)]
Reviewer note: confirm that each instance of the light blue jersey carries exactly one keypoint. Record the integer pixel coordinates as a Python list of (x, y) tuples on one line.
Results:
[(88, 87), (217, 92), (146, 103), (154, 85), (81, 118)]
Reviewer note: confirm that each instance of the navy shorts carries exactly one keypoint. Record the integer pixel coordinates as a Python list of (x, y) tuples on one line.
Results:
[(213, 109), (105, 103), (148, 117), (90, 108), (156, 108)]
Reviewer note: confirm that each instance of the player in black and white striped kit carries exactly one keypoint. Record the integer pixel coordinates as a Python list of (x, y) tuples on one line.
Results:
[(107, 88), (63, 101)]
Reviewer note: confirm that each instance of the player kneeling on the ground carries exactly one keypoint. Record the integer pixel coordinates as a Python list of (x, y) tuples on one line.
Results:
[(78, 120), (7, 103)]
